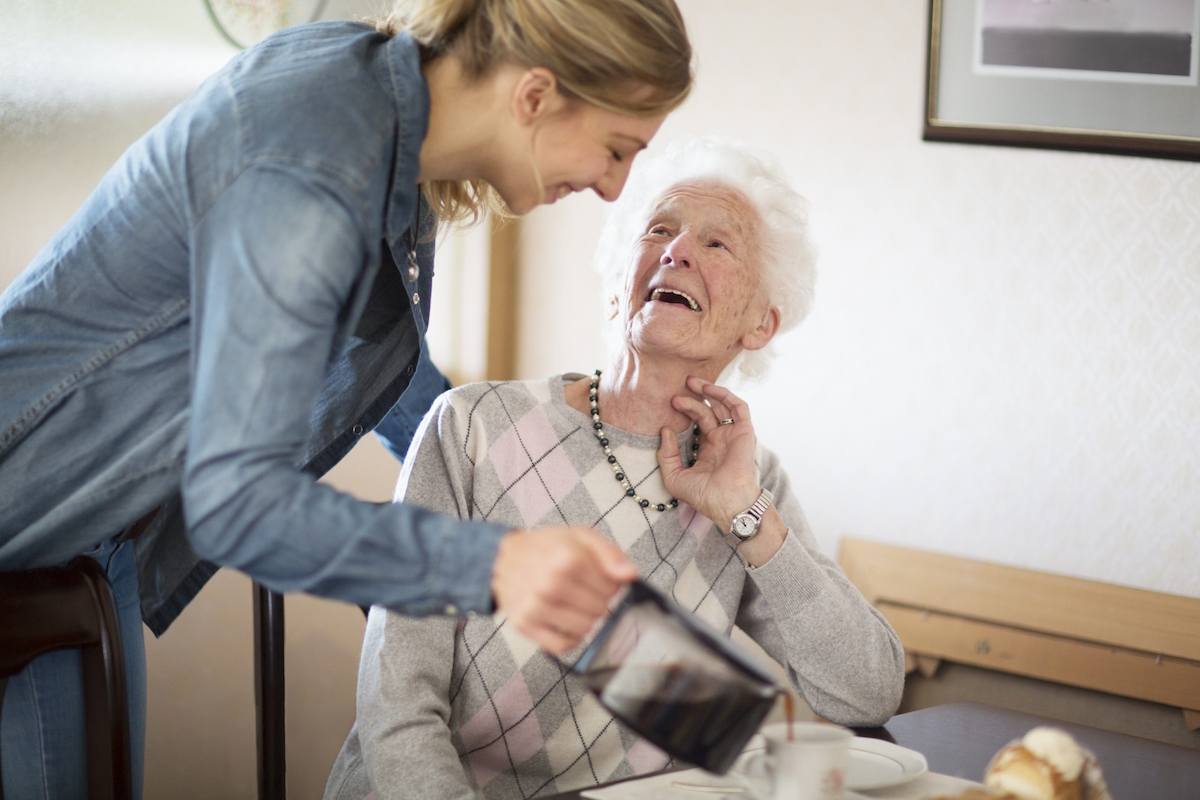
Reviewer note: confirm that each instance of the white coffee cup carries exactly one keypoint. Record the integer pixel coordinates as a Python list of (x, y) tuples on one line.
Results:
[(811, 766)]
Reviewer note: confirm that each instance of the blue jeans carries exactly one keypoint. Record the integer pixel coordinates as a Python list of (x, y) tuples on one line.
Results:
[(42, 732)]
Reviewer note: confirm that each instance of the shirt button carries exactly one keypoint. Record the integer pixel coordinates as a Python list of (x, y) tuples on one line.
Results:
[(409, 371), (451, 610), (357, 430), (414, 272), (416, 299)]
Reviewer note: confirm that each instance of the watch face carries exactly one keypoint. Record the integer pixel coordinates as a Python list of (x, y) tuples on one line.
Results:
[(744, 526)]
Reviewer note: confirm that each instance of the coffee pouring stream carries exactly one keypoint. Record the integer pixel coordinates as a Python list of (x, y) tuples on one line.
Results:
[(677, 681)]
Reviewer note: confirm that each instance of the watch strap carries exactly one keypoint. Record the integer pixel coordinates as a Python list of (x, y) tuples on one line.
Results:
[(756, 510)]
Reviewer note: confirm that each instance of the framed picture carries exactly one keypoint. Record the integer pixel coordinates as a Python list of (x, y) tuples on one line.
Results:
[(1107, 76)]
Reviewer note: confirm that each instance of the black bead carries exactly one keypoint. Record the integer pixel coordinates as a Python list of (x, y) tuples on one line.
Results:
[(661, 507), (597, 426), (604, 442), (629, 492), (644, 503), (692, 463), (612, 459), (695, 446), (674, 502), (620, 476)]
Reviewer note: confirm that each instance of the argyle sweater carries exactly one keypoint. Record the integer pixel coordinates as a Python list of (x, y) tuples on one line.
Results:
[(458, 708)]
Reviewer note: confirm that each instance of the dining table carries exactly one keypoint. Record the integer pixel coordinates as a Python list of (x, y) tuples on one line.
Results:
[(958, 741)]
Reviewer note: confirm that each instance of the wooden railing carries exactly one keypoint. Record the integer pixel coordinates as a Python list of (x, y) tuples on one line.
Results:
[(1114, 639)]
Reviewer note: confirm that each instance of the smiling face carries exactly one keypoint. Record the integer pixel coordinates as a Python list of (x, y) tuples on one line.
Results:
[(693, 287), (590, 148), (572, 148)]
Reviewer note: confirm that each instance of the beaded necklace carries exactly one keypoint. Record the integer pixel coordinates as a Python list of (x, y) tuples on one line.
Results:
[(622, 478)]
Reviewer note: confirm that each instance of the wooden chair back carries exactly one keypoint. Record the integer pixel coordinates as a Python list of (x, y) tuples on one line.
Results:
[(73, 607)]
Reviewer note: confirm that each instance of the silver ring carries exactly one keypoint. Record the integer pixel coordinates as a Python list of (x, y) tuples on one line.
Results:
[(728, 421)]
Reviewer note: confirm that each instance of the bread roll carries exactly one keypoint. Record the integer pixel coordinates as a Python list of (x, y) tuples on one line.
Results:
[(1047, 764)]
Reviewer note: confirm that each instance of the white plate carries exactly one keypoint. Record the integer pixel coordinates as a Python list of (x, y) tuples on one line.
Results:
[(874, 763)]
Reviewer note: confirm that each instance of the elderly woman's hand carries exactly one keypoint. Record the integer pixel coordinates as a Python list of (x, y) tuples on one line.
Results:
[(722, 484)]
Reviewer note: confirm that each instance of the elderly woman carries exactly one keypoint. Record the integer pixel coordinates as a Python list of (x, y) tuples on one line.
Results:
[(707, 259)]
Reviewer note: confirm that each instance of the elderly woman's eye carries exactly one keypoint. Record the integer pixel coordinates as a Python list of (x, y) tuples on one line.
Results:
[(716, 243), (660, 230)]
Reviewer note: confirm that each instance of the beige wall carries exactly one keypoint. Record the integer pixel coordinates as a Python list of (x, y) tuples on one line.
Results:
[(1003, 361)]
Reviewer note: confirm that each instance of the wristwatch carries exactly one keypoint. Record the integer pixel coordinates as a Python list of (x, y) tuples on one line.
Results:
[(745, 525)]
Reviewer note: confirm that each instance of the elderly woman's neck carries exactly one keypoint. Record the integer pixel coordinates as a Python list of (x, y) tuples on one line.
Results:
[(636, 396)]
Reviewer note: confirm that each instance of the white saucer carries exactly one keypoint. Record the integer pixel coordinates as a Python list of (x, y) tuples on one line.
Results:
[(874, 763)]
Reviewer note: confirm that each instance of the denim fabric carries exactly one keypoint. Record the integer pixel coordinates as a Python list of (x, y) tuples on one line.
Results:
[(400, 425), (218, 324), (42, 731)]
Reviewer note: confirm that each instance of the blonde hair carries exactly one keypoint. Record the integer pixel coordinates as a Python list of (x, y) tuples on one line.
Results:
[(600, 51)]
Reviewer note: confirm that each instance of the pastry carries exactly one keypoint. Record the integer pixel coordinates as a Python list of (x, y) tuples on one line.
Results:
[(1047, 764)]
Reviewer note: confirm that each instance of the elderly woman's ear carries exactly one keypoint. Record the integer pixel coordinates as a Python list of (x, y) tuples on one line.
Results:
[(612, 307), (758, 338)]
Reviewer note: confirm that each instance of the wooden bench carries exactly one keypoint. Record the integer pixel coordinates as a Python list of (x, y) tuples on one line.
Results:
[(1128, 642)]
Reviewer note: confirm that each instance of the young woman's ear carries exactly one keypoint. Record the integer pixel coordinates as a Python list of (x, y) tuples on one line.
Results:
[(535, 95), (760, 336)]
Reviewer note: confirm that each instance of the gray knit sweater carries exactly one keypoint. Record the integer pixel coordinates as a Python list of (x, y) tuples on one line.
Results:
[(458, 708)]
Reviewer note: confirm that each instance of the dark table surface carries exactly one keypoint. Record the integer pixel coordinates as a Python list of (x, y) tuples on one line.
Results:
[(960, 739)]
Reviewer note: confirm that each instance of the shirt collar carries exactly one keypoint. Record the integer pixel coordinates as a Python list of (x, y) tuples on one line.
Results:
[(402, 61)]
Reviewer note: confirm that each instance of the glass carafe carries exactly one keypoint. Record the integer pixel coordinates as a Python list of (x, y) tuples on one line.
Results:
[(676, 680)]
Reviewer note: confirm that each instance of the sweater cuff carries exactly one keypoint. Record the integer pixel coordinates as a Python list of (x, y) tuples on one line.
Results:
[(791, 580)]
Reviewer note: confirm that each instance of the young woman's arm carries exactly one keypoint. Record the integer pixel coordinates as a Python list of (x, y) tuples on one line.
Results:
[(275, 261)]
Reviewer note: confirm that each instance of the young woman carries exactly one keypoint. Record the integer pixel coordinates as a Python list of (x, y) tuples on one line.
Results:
[(245, 295)]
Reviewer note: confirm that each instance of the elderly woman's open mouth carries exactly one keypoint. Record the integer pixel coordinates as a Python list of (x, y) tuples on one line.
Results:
[(676, 296)]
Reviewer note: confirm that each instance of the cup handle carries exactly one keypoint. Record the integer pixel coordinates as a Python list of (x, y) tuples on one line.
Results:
[(757, 771)]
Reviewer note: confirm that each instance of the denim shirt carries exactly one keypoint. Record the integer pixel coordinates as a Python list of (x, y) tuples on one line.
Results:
[(226, 315)]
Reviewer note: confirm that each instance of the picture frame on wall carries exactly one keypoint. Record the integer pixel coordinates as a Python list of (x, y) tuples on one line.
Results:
[(1105, 76)]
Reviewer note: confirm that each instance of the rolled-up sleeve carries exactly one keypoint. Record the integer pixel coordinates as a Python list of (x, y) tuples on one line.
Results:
[(276, 259)]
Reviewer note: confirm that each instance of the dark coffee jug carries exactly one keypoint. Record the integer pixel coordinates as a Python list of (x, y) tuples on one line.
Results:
[(677, 681)]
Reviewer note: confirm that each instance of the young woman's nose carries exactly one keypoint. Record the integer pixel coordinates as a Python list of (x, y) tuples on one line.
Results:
[(611, 183)]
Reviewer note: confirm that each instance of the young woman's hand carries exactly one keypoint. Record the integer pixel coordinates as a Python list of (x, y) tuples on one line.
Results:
[(554, 583)]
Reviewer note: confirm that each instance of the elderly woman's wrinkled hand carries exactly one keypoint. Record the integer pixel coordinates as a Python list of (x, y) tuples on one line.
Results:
[(722, 483)]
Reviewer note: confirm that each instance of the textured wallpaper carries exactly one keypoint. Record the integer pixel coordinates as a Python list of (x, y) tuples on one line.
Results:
[(1003, 361)]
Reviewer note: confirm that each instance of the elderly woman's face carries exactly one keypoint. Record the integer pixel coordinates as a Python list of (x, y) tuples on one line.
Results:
[(692, 289)]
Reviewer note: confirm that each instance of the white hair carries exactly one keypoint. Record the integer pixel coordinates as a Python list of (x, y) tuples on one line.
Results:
[(787, 255)]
